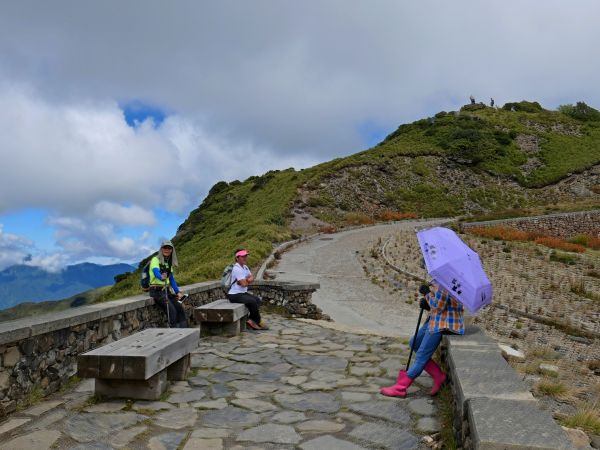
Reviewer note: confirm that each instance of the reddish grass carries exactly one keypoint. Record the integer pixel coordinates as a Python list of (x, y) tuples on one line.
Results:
[(329, 229), (395, 215), (506, 233), (553, 242), (358, 218)]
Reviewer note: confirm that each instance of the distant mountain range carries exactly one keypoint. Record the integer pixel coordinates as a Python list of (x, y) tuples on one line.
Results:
[(20, 283)]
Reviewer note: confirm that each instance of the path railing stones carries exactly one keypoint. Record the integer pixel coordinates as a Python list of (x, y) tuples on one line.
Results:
[(493, 407), (563, 225), (39, 354)]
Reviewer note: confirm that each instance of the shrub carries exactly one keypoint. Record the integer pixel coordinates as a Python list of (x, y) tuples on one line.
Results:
[(586, 240), (395, 215), (586, 417), (357, 218), (551, 388), (580, 111), (553, 242), (561, 257), (524, 106)]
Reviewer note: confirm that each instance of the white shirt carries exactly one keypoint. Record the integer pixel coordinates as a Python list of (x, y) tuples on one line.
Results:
[(238, 273)]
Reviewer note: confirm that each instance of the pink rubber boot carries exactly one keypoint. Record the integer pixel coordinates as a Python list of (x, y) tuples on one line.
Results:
[(436, 373), (399, 389)]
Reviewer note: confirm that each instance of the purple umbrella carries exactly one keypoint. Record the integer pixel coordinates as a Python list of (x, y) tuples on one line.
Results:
[(456, 267)]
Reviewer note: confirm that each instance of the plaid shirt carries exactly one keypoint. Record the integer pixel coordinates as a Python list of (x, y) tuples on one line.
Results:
[(446, 313)]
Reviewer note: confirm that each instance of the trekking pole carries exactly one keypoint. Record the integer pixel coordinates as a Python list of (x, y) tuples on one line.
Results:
[(414, 339), (167, 305)]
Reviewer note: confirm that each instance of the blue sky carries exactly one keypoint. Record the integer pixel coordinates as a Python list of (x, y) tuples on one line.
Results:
[(112, 138)]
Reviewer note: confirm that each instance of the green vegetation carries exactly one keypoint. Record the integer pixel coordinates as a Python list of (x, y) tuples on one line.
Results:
[(587, 418), (580, 111), (446, 408), (251, 214), (562, 257), (554, 389), (524, 106)]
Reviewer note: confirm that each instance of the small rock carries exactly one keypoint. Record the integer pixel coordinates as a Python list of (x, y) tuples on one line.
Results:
[(551, 368), (578, 438), (510, 353)]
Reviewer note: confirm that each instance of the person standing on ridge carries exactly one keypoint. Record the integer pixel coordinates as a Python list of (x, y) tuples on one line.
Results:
[(161, 283), (472, 99), (492, 102), (241, 278), (445, 316)]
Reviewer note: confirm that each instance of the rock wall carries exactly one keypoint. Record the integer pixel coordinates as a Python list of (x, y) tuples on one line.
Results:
[(38, 354), (564, 225)]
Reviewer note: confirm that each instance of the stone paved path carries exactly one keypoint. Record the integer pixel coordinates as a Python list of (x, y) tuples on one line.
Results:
[(347, 294), (295, 386)]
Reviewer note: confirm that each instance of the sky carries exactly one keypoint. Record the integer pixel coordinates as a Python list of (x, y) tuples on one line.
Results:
[(117, 117)]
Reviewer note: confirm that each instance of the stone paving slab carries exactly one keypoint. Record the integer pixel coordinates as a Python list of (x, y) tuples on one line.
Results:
[(243, 396), (501, 424)]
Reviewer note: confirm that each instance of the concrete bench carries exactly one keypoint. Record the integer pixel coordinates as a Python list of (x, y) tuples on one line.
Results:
[(139, 366), (221, 317)]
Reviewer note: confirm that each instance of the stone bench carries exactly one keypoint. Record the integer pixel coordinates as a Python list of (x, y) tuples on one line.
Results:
[(221, 317), (139, 366)]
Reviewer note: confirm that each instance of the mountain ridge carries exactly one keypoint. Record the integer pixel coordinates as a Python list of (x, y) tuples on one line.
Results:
[(28, 284)]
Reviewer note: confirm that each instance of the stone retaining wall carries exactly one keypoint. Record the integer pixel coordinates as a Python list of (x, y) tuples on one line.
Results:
[(39, 354), (493, 407), (564, 225)]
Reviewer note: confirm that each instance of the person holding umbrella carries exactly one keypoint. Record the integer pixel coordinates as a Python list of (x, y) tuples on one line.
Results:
[(459, 281), (445, 316)]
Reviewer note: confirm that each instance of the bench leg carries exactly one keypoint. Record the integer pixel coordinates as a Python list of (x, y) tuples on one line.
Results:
[(222, 329), (178, 371), (150, 389)]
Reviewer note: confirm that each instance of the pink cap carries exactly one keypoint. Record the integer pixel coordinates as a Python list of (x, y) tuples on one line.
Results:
[(241, 253)]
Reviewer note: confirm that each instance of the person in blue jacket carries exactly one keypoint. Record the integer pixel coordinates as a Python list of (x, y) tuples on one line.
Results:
[(163, 287)]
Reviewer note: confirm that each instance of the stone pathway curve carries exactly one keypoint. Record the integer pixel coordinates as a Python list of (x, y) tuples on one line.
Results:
[(295, 386)]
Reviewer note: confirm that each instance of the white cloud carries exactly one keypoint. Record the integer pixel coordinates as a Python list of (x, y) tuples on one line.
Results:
[(51, 263), (14, 249), (250, 86), (124, 215), (86, 239)]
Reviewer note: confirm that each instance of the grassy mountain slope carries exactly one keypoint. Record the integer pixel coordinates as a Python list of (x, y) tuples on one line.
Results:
[(467, 162)]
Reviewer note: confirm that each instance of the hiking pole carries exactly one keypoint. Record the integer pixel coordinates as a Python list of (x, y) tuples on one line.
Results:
[(414, 339), (167, 305)]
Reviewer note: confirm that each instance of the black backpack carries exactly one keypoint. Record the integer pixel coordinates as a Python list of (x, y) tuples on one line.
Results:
[(145, 277)]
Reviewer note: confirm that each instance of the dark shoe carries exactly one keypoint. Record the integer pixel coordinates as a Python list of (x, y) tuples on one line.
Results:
[(252, 324)]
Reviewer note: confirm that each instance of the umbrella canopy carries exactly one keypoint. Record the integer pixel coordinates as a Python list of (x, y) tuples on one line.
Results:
[(454, 265)]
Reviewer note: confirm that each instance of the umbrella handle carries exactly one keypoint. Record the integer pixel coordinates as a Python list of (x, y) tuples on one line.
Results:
[(414, 339)]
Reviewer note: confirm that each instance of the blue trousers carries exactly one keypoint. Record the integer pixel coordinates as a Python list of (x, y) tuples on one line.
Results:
[(424, 346)]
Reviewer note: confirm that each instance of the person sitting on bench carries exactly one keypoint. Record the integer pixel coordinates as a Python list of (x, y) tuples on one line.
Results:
[(163, 287), (241, 278)]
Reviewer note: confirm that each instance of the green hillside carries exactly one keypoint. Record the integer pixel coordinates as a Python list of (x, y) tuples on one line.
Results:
[(473, 161)]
